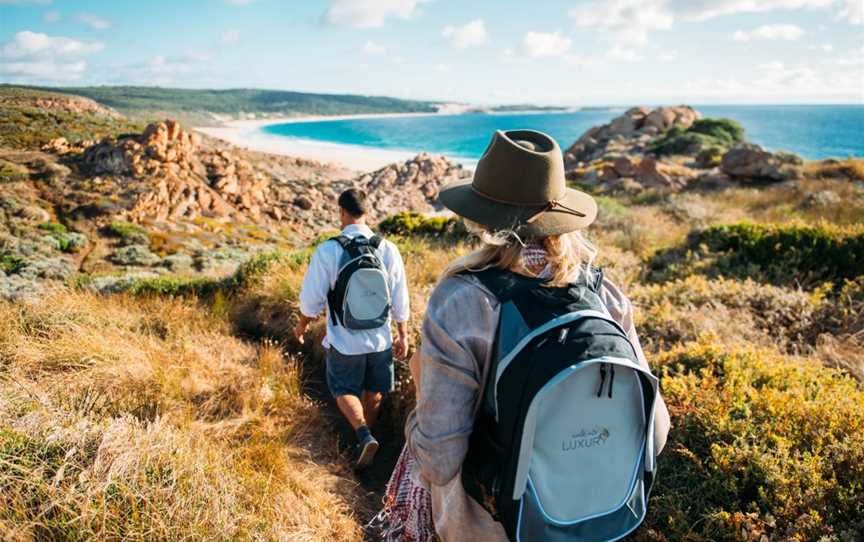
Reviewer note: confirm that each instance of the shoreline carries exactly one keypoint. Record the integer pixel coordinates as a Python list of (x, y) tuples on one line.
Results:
[(260, 123), (248, 134)]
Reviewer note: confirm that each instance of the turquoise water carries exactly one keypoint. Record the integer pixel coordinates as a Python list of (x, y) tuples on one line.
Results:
[(813, 132)]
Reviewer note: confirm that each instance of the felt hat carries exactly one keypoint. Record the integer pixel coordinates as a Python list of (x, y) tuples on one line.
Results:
[(519, 185)]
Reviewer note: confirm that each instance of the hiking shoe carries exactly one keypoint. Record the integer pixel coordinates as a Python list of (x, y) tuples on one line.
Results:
[(366, 452)]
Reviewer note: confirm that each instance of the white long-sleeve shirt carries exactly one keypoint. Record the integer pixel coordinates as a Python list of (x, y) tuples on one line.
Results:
[(321, 277)]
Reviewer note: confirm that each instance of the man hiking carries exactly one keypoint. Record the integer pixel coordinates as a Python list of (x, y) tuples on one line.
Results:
[(359, 279)]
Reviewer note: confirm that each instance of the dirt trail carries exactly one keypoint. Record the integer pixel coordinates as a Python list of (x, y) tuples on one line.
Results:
[(374, 479)]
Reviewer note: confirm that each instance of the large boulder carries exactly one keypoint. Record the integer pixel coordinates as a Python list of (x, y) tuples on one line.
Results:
[(628, 133), (146, 154), (751, 162), (410, 186)]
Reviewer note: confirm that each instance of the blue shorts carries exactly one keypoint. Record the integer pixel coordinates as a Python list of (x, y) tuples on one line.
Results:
[(352, 374)]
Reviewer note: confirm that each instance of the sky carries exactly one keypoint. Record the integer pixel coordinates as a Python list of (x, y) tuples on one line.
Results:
[(546, 52)]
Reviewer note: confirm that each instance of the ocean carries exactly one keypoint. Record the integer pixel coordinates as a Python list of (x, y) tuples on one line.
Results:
[(811, 131)]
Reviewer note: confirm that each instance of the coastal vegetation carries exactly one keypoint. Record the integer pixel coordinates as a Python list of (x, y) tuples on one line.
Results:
[(150, 386), (702, 135), (150, 103), (26, 123)]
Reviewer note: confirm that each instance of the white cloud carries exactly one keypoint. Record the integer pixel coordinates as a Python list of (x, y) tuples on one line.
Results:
[(370, 13), (826, 47), (621, 54), (33, 56), (51, 16), (30, 45), (230, 37), (793, 83), (164, 69), (442, 68), (93, 21), (787, 32), (700, 10), (852, 11), (544, 44), (43, 70), (668, 56), (468, 35), (631, 20), (372, 48), (852, 58)]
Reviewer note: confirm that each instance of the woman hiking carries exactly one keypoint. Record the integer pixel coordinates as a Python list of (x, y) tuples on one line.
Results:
[(537, 417)]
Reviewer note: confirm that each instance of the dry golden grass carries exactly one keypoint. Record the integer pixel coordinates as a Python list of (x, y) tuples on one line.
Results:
[(851, 169), (143, 419), (793, 201)]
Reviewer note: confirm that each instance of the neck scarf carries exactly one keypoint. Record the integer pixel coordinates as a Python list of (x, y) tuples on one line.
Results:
[(534, 256)]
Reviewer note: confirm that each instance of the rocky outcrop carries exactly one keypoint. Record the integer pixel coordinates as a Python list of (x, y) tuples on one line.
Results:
[(58, 102), (60, 146), (629, 133), (633, 174), (146, 154), (410, 186), (174, 176), (751, 162)]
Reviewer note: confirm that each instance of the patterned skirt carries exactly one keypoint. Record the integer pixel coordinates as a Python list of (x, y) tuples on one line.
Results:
[(407, 512)]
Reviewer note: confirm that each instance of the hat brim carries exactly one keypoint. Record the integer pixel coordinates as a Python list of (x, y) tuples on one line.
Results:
[(465, 202)]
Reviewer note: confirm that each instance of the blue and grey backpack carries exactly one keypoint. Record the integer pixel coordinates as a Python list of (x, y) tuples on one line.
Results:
[(360, 299), (562, 447)]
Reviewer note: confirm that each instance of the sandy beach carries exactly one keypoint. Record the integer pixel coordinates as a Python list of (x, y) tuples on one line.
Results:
[(248, 134)]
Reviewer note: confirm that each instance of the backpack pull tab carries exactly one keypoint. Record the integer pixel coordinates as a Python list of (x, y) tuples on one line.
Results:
[(602, 379), (611, 378)]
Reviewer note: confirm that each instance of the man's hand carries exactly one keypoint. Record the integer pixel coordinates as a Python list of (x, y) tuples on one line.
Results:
[(400, 345), (301, 328)]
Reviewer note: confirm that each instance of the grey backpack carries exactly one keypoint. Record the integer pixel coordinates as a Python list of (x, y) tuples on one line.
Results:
[(562, 447), (360, 299)]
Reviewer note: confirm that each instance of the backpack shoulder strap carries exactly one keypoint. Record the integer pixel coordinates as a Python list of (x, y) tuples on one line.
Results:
[(375, 241), (343, 241)]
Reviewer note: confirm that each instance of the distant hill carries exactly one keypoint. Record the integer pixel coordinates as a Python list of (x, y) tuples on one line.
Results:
[(206, 106)]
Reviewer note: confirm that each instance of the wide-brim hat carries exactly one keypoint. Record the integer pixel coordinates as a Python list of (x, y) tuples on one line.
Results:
[(519, 185)]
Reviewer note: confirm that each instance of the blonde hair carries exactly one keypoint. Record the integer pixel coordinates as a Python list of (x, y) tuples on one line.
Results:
[(569, 255)]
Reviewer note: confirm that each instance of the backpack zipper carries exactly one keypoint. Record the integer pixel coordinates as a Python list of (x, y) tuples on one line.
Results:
[(611, 378), (602, 379)]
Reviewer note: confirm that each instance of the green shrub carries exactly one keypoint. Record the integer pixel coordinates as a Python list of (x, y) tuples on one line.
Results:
[(11, 263), (128, 233), (721, 129), (704, 133), (782, 254), (822, 252), (789, 158), (408, 223), (174, 286), (762, 447), (53, 227), (252, 269), (24, 127), (12, 173)]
